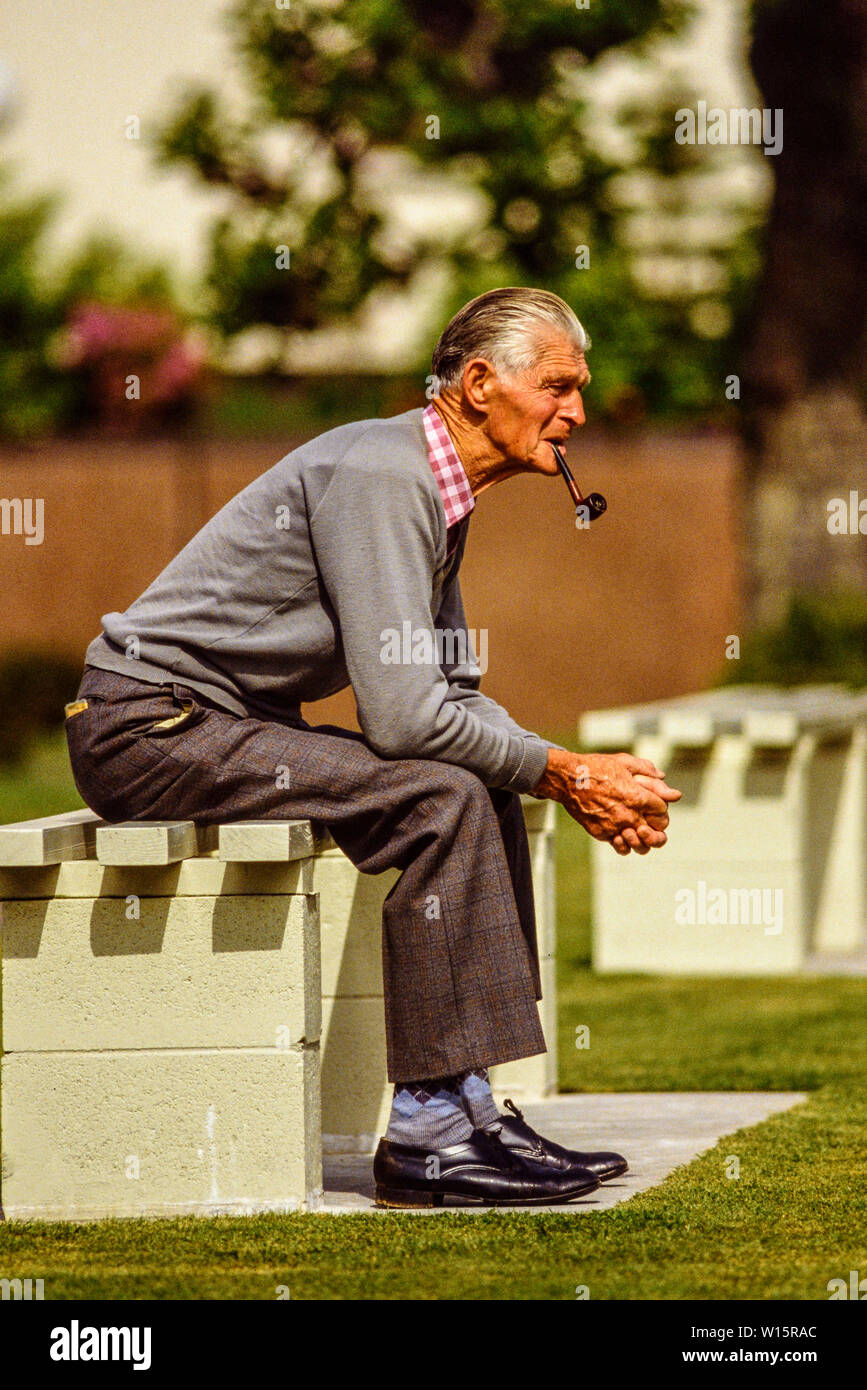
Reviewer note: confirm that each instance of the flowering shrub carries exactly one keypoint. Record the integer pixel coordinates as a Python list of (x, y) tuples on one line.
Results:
[(140, 367)]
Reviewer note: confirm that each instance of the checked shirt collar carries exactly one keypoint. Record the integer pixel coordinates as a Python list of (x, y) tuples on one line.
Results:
[(458, 500)]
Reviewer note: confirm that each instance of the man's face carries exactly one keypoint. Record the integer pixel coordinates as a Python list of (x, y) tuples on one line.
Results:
[(528, 411)]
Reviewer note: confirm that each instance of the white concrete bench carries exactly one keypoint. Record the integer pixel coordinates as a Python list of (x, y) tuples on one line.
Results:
[(766, 862), (189, 1015)]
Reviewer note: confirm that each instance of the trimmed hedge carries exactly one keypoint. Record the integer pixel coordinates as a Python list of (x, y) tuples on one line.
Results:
[(34, 686)]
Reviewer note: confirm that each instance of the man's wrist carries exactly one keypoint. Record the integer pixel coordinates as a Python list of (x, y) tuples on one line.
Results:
[(555, 782)]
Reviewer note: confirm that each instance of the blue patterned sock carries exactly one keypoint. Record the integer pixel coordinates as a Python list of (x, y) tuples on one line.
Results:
[(477, 1097), (428, 1114)]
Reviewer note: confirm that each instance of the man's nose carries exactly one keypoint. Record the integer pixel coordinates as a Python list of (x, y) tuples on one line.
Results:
[(574, 411)]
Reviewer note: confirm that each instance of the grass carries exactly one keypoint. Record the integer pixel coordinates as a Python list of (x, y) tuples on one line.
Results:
[(41, 784), (666, 1033), (794, 1219)]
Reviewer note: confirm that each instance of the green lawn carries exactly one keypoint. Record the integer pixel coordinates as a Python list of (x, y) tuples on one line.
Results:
[(794, 1219), (672, 1034), (41, 784)]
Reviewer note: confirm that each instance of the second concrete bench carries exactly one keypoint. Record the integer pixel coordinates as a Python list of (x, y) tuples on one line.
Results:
[(766, 863)]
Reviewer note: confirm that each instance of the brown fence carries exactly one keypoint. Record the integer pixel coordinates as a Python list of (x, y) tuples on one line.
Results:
[(636, 608)]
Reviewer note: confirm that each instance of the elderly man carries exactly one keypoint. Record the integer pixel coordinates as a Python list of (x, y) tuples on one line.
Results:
[(190, 707)]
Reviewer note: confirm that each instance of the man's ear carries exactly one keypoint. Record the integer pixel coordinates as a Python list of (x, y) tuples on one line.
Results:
[(477, 383)]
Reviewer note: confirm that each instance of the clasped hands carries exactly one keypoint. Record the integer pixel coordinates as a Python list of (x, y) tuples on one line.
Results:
[(614, 796)]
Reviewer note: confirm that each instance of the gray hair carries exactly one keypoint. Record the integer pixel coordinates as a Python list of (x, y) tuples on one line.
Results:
[(503, 327)]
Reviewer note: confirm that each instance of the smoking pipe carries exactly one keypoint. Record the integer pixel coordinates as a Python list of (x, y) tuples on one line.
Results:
[(594, 502)]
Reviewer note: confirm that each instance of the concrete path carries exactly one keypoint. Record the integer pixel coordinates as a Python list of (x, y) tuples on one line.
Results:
[(657, 1132), (848, 963)]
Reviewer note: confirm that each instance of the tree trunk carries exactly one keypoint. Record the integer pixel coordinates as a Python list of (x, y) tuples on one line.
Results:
[(805, 426)]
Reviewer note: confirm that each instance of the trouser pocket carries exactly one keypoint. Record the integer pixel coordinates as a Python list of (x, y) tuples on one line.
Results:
[(180, 710), (185, 714), (117, 746)]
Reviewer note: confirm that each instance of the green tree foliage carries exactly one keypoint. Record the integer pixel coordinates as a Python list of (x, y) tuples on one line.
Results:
[(35, 684), (37, 392), (356, 103), (33, 393)]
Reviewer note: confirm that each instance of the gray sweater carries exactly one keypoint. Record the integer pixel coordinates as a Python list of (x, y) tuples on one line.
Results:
[(331, 569)]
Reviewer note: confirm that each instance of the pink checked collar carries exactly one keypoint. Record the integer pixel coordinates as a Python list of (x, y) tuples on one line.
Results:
[(447, 468)]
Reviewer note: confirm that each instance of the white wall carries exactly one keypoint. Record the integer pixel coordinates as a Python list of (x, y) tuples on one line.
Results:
[(79, 69)]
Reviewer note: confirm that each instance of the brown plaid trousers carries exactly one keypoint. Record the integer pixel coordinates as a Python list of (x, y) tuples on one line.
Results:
[(461, 988)]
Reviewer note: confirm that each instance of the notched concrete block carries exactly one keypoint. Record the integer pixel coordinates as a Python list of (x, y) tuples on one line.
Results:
[(112, 973), (161, 1133)]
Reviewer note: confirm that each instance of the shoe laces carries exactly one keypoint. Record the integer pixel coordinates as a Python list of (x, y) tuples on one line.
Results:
[(538, 1146)]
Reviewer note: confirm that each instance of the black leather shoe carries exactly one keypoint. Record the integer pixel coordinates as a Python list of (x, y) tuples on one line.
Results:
[(513, 1132), (480, 1171)]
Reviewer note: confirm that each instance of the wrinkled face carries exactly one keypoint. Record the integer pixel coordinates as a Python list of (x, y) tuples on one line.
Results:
[(543, 404)]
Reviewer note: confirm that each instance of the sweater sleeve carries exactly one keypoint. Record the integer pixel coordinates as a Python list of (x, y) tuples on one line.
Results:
[(464, 675), (376, 535)]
